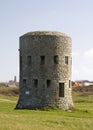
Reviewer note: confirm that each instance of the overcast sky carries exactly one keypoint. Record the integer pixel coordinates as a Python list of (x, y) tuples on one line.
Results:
[(73, 17)]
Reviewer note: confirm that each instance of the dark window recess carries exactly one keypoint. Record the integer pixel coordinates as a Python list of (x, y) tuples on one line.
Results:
[(24, 82), (36, 83), (48, 83), (28, 60), (66, 59), (42, 60), (56, 59), (20, 62), (61, 89), (69, 83)]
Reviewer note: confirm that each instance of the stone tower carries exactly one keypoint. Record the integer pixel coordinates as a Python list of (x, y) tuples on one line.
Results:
[(45, 70)]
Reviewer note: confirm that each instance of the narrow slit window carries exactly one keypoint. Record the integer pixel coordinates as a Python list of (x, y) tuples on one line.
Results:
[(48, 83), (66, 60), (61, 89), (42, 60), (69, 83), (35, 83), (56, 59), (20, 62), (28, 60)]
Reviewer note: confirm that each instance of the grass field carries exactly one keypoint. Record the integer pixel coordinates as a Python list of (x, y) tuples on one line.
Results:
[(79, 119)]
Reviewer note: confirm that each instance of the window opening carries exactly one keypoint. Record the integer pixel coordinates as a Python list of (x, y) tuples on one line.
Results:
[(61, 89), (66, 59), (28, 60), (36, 83), (48, 83), (56, 59), (42, 60), (69, 83), (20, 62), (24, 82)]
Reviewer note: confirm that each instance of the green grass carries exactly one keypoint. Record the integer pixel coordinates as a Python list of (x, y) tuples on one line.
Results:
[(79, 119)]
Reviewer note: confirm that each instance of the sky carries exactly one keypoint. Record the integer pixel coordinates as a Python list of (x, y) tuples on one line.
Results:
[(73, 17)]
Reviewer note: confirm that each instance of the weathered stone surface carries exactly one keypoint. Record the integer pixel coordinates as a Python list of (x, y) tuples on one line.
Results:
[(45, 70)]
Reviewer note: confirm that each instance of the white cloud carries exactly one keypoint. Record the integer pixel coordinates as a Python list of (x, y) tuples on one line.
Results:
[(89, 53)]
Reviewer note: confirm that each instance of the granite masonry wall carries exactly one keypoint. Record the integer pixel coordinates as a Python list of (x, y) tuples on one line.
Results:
[(45, 70)]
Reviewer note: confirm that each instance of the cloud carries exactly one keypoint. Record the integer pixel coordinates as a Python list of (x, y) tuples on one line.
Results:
[(89, 53)]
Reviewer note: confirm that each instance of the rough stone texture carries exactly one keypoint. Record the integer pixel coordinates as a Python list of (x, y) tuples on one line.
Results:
[(35, 90)]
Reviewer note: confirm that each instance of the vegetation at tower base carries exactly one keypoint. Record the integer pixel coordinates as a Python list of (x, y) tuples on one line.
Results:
[(45, 70)]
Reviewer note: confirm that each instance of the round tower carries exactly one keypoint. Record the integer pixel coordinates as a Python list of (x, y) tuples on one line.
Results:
[(45, 70)]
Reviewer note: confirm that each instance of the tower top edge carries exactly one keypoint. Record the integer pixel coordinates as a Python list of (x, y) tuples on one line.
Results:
[(42, 33)]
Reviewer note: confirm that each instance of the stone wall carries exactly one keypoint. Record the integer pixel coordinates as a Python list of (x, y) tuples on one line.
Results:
[(45, 70)]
